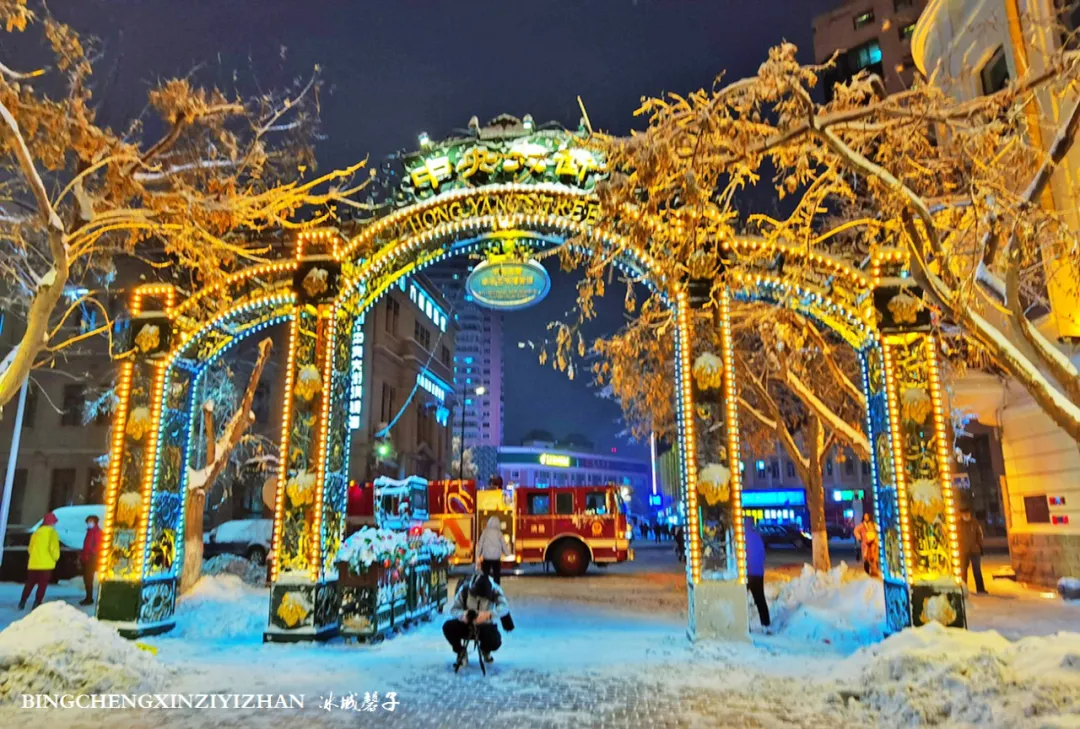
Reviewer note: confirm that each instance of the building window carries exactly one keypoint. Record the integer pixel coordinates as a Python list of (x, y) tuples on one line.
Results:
[(18, 495), (30, 407), (74, 402), (864, 19), (95, 485), (422, 335), (899, 5), (760, 469), (849, 467), (260, 404), (774, 468), (828, 467), (386, 406), (444, 355), (393, 311), (995, 74), (906, 31), (1037, 509), (865, 468), (790, 469), (866, 55), (564, 503), (62, 492)]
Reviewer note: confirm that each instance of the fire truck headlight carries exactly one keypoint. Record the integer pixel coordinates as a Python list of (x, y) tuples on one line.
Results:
[(629, 533)]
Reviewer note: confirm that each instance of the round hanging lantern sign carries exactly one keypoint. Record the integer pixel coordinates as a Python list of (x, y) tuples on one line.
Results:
[(508, 286)]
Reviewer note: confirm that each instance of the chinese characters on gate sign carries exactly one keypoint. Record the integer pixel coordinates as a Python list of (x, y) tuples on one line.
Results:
[(354, 702)]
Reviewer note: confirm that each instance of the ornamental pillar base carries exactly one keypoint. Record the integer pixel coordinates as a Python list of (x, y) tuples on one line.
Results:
[(923, 602), (717, 611), (303, 612), (137, 608)]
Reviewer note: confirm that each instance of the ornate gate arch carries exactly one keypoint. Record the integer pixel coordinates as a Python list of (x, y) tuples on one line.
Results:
[(458, 197)]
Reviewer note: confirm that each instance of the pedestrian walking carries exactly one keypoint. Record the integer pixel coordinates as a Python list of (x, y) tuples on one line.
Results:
[(970, 534), (867, 537), (490, 549), (755, 571), (43, 555), (91, 548), (656, 532), (680, 543), (644, 531)]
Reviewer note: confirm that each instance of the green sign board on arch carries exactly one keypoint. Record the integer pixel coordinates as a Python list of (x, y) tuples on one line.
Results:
[(508, 285)]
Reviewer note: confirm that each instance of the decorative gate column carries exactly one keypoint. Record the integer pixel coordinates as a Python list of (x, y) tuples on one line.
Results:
[(707, 416), (303, 596), (144, 502), (911, 432)]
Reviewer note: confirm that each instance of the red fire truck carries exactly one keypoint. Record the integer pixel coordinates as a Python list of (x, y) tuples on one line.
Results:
[(566, 526)]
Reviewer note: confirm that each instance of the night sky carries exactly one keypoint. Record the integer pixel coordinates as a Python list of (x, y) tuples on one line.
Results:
[(394, 69)]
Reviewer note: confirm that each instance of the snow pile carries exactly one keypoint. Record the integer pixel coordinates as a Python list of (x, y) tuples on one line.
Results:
[(222, 607), (58, 649), (842, 608), (230, 564), (935, 675)]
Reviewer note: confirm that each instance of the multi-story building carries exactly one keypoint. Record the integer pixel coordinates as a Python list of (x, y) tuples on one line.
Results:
[(403, 394), (478, 370), (868, 35), (974, 47), (550, 464)]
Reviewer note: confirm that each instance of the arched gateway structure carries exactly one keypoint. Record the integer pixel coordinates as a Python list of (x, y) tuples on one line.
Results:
[(507, 180)]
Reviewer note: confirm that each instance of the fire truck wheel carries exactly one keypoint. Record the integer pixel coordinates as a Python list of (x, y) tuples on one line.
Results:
[(571, 559)]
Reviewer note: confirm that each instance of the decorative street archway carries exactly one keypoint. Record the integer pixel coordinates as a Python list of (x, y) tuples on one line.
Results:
[(463, 197)]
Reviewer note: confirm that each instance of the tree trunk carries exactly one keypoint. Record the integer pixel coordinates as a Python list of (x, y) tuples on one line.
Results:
[(193, 539), (218, 453), (815, 495)]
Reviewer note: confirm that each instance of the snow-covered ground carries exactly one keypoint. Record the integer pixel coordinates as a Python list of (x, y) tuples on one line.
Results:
[(607, 649)]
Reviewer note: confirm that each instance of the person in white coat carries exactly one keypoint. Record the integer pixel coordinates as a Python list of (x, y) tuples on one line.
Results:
[(490, 549)]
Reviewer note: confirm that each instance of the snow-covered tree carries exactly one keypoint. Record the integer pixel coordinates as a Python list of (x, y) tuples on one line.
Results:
[(953, 185), (225, 423), (468, 471), (77, 196)]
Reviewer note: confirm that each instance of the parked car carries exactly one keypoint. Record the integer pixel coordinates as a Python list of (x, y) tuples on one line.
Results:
[(790, 534), (838, 531), (70, 527), (249, 538)]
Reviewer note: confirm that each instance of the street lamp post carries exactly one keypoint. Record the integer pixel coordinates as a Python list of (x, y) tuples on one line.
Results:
[(461, 462)]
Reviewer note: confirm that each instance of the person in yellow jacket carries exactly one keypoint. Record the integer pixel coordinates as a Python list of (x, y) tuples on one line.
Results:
[(44, 552)]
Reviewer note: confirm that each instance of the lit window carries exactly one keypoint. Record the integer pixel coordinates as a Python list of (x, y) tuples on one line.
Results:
[(864, 19), (907, 31), (866, 55)]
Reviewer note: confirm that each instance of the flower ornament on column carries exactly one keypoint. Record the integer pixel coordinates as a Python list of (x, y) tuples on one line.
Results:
[(293, 608), (915, 405), (148, 338), (938, 609), (316, 282), (301, 488), (714, 483), (905, 308), (128, 507), (708, 371), (926, 499), (308, 382), (138, 423)]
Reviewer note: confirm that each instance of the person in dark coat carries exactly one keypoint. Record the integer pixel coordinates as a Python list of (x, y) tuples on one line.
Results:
[(680, 543), (478, 602), (755, 571), (91, 548), (970, 534)]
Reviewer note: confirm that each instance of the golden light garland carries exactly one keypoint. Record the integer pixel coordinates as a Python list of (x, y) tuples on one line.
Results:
[(896, 437), (731, 405), (941, 435)]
